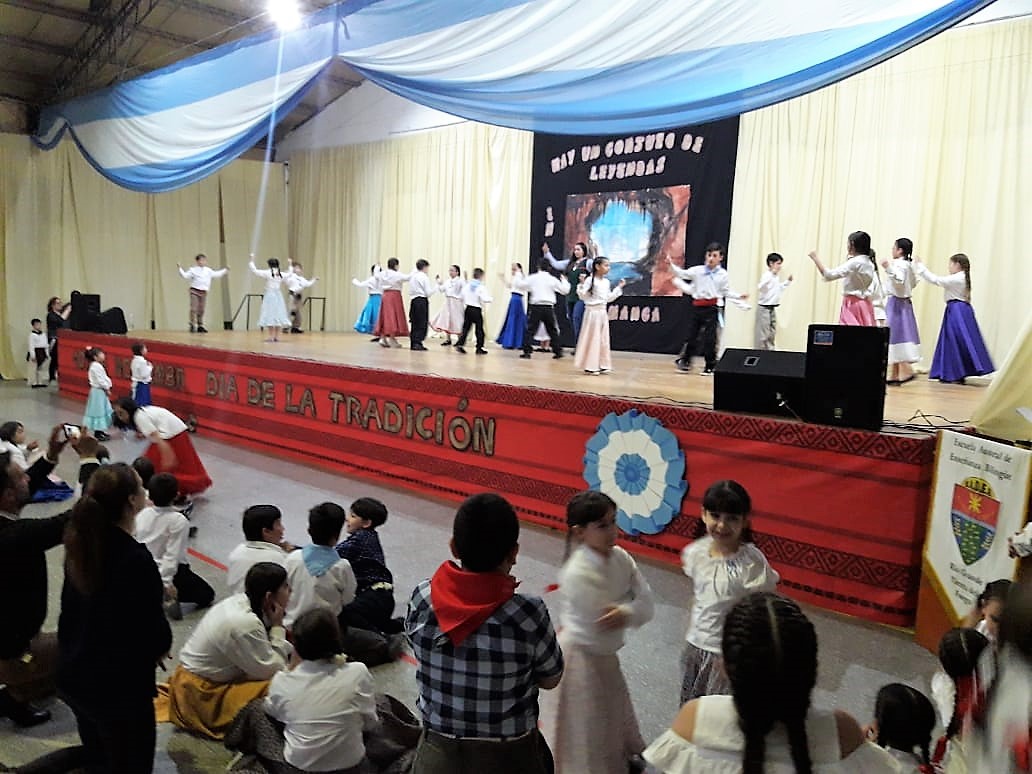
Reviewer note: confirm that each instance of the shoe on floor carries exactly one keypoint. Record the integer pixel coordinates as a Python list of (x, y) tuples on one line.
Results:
[(21, 713), (101, 436), (481, 351), (418, 348), (525, 356), (446, 343), (557, 355), (201, 329), (375, 338), (384, 343), (683, 366), (461, 350), (707, 372)]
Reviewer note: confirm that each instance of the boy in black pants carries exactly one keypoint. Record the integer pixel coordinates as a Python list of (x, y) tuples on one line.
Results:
[(474, 295)]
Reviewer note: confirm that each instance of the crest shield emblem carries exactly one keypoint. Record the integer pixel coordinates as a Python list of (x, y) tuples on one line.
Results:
[(973, 514)]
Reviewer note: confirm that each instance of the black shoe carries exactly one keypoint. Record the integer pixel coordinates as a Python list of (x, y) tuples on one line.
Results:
[(375, 339), (461, 350), (201, 329), (191, 424), (446, 343), (101, 436), (418, 348), (21, 713), (683, 365), (525, 356), (296, 330), (192, 532), (556, 355), (481, 351), (193, 329)]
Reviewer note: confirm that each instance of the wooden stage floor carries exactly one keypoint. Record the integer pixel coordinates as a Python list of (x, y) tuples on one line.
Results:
[(635, 375)]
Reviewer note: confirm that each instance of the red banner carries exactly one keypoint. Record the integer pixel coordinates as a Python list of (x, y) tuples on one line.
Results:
[(840, 513)]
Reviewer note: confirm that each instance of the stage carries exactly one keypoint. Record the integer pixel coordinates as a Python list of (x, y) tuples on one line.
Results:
[(840, 513)]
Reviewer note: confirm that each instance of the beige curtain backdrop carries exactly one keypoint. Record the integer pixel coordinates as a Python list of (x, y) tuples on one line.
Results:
[(932, 145), (457, 195), (63, 227)]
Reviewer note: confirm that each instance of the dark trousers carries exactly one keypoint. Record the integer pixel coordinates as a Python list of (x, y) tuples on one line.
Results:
[(702, 324), (537, 314), (191, 587), (437, 754), (575, 311), (474, 316), (53, 360), (419, 315), (371, 609)]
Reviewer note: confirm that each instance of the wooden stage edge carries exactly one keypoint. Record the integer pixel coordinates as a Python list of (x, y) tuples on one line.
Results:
[(640, 376)]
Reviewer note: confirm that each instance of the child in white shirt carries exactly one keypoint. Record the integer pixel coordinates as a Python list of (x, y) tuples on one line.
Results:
[(475, 296), (142, 371), (38, 354), (97, 416), (296, 284), (263, 542), (768, 298), (319, 577)]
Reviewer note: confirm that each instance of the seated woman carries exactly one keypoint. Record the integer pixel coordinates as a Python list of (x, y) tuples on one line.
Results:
[(767, 724), (234, 652)]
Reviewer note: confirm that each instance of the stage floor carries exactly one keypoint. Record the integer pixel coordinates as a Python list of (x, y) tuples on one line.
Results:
[(635, 375)]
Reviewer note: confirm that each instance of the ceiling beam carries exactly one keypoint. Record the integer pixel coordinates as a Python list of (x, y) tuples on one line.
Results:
[(34, 45)]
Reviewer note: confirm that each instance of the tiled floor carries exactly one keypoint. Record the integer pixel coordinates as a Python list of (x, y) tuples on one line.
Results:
[(855, 658)]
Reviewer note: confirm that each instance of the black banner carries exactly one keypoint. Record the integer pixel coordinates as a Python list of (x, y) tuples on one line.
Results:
[(636, 199)]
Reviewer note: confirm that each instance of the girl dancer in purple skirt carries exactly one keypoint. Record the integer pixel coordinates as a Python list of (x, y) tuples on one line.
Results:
[(904, 341)]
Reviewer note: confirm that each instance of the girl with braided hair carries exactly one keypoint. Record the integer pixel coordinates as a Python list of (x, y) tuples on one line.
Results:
[(723, 566), (903, 723), (767, 725), (958, 692)]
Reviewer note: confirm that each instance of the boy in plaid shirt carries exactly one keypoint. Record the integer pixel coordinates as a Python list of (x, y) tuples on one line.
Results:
[(483, 652)]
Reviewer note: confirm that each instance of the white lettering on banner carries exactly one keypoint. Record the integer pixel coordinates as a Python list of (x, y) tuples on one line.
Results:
[(980, 499), (659, 142)]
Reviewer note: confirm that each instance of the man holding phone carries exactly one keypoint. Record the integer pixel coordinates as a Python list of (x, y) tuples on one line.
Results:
[(28, 657)]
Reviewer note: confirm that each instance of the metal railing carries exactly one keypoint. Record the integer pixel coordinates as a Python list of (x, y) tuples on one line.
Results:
[(245, 302)]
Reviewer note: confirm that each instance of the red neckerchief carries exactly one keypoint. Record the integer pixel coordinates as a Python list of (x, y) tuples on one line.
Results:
[(463, 600)]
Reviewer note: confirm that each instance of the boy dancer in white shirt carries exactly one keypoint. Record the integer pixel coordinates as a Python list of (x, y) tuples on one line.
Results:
[(200, 277), (767, 301)]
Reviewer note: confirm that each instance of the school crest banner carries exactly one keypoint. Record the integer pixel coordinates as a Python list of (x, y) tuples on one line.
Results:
[(980, 498)]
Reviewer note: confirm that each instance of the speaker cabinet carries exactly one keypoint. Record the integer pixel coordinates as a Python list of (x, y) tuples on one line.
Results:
[(760, 381), (113, 321), (85, 314), (845, 375)]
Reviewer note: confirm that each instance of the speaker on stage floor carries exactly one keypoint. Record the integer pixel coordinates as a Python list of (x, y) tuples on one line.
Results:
[(845, 375), (85, 314), (113, 321), (760, 381)]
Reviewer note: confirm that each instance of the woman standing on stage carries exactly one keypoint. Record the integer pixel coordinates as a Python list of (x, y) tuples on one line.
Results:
[(171, 450), (274, 311), (391, 322), (858, 280), (573, 267)]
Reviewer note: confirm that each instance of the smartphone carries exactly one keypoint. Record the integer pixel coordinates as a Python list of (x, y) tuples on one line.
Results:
[(71, 431)]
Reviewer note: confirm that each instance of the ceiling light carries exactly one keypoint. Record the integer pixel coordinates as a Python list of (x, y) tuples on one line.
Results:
[(285, 14)]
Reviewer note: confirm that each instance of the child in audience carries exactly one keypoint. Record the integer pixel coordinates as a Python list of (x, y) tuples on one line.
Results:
[(904, 340), (319, 577), (483, 652), (475, 297), (603, 593), (38, 354), (985, 617), (14, 442), (373, 606), (165, 531), (142, 371), (903, 723), (768, 299), (263, 542), (593, 354), (97, 417), (957, 691), (371, 311), (144, 469), (325, 702), (723, 566), (960, 351)]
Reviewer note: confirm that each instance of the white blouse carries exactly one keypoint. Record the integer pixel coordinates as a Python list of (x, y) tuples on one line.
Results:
[(272, 281), (452, 287), (392, 280), (589, 583), (857, 275), (515, 283), (902, 277), (18, 455), (717, 583), (954, 286), (598, 294), (155, 419), (165, 532), (372, 284), (98, 376), (770, 289), (718, 743), (141, 370)]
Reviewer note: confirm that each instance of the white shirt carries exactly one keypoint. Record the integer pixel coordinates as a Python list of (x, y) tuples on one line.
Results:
[(474, 293), (515, 282), (296, 282), (372, 284), (38, 340), (155, 419), (392, 280), (598, 294), (230, 644), (703, 283), (718, 742), (452, 287), (857, 275), (247, 555), (543, 287), (98, 376), (878, 297), (770, 289), (272, 281), (141, 370), (902, 276), (18, 456), (165, 532), (421, 285), (201, 276), (717, 583), (954, 286), (324, 706), (331, 590), (589, 583)]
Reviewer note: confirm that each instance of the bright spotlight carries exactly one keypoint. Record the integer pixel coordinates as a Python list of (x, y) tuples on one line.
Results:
[(285, 14)]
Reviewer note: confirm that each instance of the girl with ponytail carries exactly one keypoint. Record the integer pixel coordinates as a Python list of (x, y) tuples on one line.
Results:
[(112, 630), (860, 281), (958, 692), (903, 723), (767, 725), (960, 351)]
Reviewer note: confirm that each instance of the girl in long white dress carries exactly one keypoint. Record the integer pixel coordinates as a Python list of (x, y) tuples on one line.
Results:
[(274, 315)]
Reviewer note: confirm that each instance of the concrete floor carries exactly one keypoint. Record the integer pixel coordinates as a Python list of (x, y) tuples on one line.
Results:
[(856, 658)]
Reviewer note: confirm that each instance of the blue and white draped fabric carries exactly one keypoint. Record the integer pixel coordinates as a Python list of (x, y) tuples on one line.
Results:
[(557, 66)]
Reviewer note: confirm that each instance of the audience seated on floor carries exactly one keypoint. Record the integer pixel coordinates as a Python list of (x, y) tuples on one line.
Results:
[(263, 542)]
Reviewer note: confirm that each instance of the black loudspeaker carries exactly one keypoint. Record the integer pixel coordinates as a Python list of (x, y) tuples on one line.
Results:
[(113, 321), (845, 375), (760, 381), (85, 314)]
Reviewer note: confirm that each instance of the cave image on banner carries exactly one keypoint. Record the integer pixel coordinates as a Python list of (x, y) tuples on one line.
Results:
[(636, 230)]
